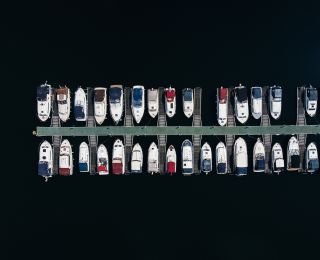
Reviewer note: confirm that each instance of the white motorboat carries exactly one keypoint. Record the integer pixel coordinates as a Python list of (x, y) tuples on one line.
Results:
[(277, 158), (187, 157), (116, 102), (187, 101), (84, 157), (256, 102), (65, 159), (259, 156), (311, 100), (63, 99), (312, 159), (136, 159), (171, 160), (240, 155), (170, 101), (102, 160), (275, 101), (137, 103), (44, 93), (45, 160), (153, 102), (118, 158), (241, 104), (222, 105), (221, 158), (80, 105), (153, 158), (100, 104), (206, 158), (293, 155)]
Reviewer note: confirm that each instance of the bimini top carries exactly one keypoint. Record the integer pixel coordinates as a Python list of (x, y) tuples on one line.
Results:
[(241, 94), (62, 95), (277, 92), (187, 95), (78, 112), (83, 167), (256, 92), (206, 165), (171, 167), (43, 169), (313, 164), (222, 167), (259, 164), (295, 161), (241, 170), (115, 94), (170, 94), (116, 167), (312, 94), (99, 95), (42, 92), (137, 97), (223, 93)]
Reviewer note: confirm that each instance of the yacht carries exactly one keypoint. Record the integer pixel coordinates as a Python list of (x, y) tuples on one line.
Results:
[(311, 100), (206, 158), (100, 104), (118, 159), (240, 155), (137, 102), (65, 159), (102, 160), (312, 159), (241, 104), (277, 158), (84, 157), (153, 158), (256, 102), (116, 102), (63, 98), (222, 105), (170, 101), (136, 159), (80, 105), (171, 160), (293, 155), (187, 98), (221, 158), (44, 93), (187, 157), (275, 101), (153, 102), (45, 160), (259, 156)]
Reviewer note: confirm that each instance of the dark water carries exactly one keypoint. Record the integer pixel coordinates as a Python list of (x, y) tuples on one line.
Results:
[(158, 217)]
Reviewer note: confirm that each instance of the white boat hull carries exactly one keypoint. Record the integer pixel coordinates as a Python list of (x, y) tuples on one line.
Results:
[(258, 149), (44, 106), (45, 157), (100, 107), (311, 154), (80, 99), (206, 154), (65, 158), (240, 156), (84, 156), (118, 156), (138, 112), (293, 149), (277, 158), (116, 109), (153, 102), (136, 159), (221, 156), (171, 158), (102, 160), (153, 158)]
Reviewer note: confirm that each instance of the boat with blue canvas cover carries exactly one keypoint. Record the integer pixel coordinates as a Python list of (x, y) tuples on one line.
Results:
[(206, 158), (44, 92), (84, 157), (275, 101), (240, 155), (116, 102), (221, 158), (259, 155), (256, 102), (187, 157), (137, 102), (187, 101), (80, 105), (312, 159), (45, 160)]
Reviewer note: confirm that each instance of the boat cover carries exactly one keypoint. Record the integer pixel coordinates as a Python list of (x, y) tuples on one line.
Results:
[(313, 164), (187, 170), (115, 94), (79, 112), (137, 97), (279, 164), (62, 91), (260, 164), (64, 171), (312, 94), (170, 94), (102, 168), (99, 95), (241, 170), (117, 168), (153, 166), (241, 94), (295, 161), (171, 167), (152, 95), (222, 167), (277, 92), (206, 165), (83, 167), (43, 169), (42, 92), (223, 93), (256, 92), (187, 95)]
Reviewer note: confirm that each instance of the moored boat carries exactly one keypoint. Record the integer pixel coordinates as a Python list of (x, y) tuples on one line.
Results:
[(222, 105), (187, 157), (116, 102), (277, 158), (259, 156), (240, 155), (241, 104), (311, 100), (170, 101), (312, 158), (80, 105), (293, 155), (187, 102), (256, 102), (63, 99), (118, 157), (206, 158), (221, 158), (275, 101), (153, 102), (44, 93), (153, 158), (171, 160), (100, 104), (84, 157), (45, 160), (136, 159), (102, 160), (137, 102), (65, 159)]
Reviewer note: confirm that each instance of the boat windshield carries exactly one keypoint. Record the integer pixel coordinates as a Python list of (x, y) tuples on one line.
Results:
[(43, 169), (103, 161), (259, 164), (78, 112), (115, 95), (312, 94), (42, 92), (222, 167), (241, 170), (206, 165), (187, 95), (137, 97), (83, 166), (277, 92), (256, 92), (313, 164)]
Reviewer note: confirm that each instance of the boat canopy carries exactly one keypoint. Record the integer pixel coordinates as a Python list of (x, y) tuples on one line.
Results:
[(223, 93), (42, 92), (206, 165), (115, 94), (241, 94), (279, 163), (102, 168), (260, 164), (187, 95), (99, 95), (241, 170), (222, 167), (170, 94), (171, 167), (83, 167), (79, 112), (64, 171), (312, 94), (152, 95), (103, 161), (313, 164), (187, 170), (256, 92), (277, 92), (117, 167), (43, 169), (137, 97), (295, 161)]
